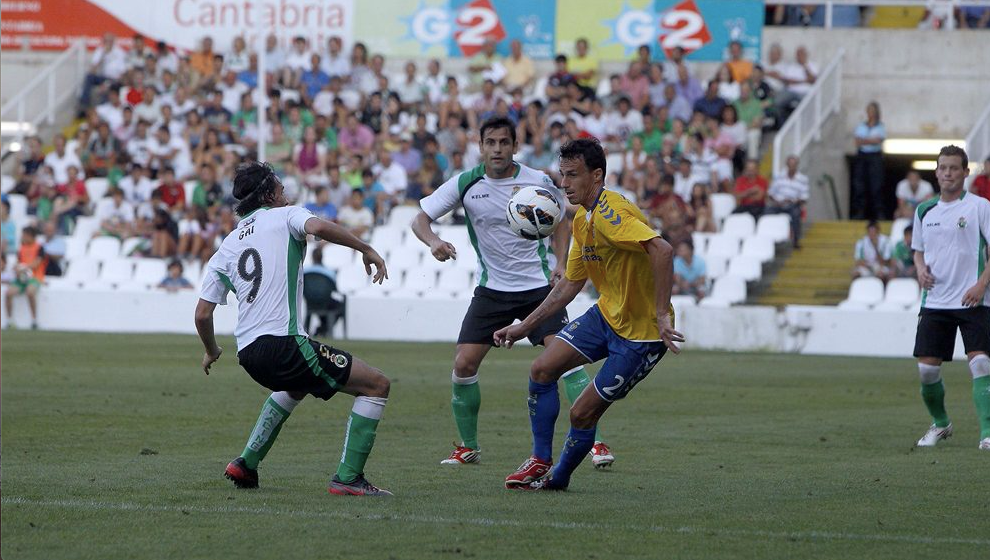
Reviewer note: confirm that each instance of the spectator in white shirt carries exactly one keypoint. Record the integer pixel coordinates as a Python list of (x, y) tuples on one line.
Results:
[(356, 217), (297, 61), (138, 145), (872, 254), (147, 109), (392, 176), (788, 194), (181, 104), (136, 187), (109, 63), (434, 82), (115, 214), (111, 112), (596, 123), (335, 62), (168, 150), (624, 122), (167, 61), (237, 59), (232, 91), (60, 159), (911, 191), (409, 88), (274, 57)]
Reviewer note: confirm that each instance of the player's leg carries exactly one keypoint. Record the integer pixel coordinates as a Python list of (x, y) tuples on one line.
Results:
[(370, 388), (8, 302), (976, 338), (544, 406), (32, 296), (465, 402), (274, 412), (934, 343), (575, 382)]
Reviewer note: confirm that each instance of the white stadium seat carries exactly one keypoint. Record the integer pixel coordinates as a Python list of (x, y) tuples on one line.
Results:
[(150, 272), (740, 226), (337, 257), (75, 247), (104, 248), (722, 205), (700, 241), (400, 260), (353, 278), (745, 267), (402, 216), (901, 293), (863, 294), (83, 269), (726, 291), (387, 237), (86, 227), (420, 280), (6, 183), (97, 188), (18, 209), (130, 245), (762, 248), (715, 266), (774, 226), (722, 246), (455, 280), (115, 271), (679, 303)]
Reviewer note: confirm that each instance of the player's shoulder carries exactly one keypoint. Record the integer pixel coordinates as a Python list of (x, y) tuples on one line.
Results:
[(612, 200), (976, 200), (926, 207), (534, 177)]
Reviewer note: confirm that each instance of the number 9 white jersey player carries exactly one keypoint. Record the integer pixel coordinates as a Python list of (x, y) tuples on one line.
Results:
[(261, 262)]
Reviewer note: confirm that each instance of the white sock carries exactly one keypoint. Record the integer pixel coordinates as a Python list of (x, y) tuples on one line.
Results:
[(463, 380), (929, 374), (283, 399), (980, 366), (369, 407)]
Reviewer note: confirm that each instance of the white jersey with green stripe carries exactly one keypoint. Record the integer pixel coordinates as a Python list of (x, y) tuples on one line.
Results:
[(506, 261), (953, 236), (261, 262)]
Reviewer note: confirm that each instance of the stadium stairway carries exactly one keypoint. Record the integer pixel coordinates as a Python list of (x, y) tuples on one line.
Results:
[(819, 272)]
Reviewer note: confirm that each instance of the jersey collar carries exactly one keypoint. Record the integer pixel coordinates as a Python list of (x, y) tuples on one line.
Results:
[(252, 212)]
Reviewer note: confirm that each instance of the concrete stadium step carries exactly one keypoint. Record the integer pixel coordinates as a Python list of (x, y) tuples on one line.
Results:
[(818, 272)]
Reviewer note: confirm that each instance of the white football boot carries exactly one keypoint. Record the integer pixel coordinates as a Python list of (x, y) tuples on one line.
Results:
[(934, 434), (985, 444)]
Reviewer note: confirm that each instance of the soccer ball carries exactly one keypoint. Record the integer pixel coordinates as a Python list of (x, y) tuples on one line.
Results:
[(533, 213)]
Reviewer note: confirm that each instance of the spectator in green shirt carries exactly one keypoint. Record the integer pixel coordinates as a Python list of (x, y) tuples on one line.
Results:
[(750, 112), (903, 256), (651, 136)]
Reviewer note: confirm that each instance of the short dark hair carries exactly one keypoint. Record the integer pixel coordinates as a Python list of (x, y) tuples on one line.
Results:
[(587, 149), (254, 182), (560, 58), (872, 224), (494, 123), (175, 262), (908, 230), (953, 150)]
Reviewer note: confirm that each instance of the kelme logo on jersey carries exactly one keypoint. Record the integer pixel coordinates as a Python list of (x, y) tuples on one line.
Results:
[(962, 222)]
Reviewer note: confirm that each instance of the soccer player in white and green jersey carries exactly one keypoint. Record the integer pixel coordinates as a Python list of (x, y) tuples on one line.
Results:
[(514, 274), (261, 262), (950, 244)]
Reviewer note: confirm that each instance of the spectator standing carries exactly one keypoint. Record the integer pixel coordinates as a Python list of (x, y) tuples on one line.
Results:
[(109, 63), (872, 254), (335, 63), (751, 190), (689, 272), (911, 191), (29, 274), (486, 64), (867, 179), (788, 194)]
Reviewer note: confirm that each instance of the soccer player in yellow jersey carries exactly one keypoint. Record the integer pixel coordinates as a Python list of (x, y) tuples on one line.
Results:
[(631, 326)]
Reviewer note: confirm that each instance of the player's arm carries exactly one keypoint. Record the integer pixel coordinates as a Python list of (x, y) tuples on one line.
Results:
[(338, 235), (204, 326), (562, 293), (662, 262), (925, 278), (560, 241), (442, 250)]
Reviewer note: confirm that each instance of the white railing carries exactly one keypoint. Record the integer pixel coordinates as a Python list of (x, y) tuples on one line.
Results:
[(40, 99), (978, 139), (829, 4), (805, 124)]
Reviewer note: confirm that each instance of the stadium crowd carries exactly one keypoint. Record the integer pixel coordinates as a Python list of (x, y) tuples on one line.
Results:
[(165, 130)]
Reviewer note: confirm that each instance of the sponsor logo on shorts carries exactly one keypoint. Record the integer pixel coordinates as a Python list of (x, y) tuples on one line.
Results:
[(339, 360)]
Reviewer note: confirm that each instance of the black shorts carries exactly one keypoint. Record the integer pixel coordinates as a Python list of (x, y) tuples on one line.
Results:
[(936, 336), (492, 310), (297, 364)]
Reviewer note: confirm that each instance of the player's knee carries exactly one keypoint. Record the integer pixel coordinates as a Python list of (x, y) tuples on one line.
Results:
[(541, 372), (979, 365), (380, 385), (582, 418), (464, 366)]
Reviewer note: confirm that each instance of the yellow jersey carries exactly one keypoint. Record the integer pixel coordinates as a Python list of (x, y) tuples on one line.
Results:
[(607, 247)]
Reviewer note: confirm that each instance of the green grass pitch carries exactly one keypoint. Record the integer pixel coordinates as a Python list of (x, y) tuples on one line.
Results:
[(113, 447)]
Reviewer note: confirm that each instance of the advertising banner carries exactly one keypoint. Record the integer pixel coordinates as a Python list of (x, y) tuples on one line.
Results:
[(703, 28), (55, 24)]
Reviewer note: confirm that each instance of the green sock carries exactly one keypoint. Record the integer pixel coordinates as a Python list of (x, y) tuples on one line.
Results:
[(981, 398), (574, 384), (360, 437), (265, 431), (466, 402), (934, 396)]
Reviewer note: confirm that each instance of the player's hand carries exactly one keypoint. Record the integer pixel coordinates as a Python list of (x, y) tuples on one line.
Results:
[(668, 335), (371, 257), (974, 295), (209, 358), (506, 337), (443, 250), (557, 275), (925, 277)]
